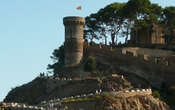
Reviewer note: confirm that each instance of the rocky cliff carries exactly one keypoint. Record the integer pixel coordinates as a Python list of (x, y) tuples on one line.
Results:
[(115, 61), (131, 73), (146, 102), (48, 88)]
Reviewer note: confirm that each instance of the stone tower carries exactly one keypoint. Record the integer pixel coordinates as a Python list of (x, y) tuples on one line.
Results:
[(74, 31)]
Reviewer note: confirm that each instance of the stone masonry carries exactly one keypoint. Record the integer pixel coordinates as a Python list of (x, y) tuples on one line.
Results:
[(74, 31)]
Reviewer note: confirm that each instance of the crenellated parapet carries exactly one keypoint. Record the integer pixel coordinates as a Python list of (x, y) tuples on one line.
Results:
[(132, 93), (73, 20), (153, 56), (20, 106)]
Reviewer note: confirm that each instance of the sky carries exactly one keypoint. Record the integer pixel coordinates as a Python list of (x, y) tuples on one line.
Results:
[(31, 29)]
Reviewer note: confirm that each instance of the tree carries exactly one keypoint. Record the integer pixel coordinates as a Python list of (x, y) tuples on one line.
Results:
[(169, 21), (91, 28), (90, 64), (171, 90), (156, 14), (112, 19), (58, 59), (106, 21), (171, 94), (117, 20), (169, 16), (141, 14), (137, 9)]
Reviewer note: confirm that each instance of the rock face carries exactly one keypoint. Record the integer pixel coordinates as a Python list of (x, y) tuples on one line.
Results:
[(155, 74), (146, 102), (48, 88), (42, 89), (115, 83)]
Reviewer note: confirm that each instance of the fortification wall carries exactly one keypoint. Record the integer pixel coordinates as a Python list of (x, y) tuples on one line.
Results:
[(120, 94), (156, 70), (132, 93), (155, 56), (19, 106), (151, 46)]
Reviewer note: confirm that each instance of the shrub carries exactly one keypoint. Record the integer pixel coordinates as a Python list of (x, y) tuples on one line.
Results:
[(156, 94), (171, 95), (58, 59), (171, 90), (90, 64)]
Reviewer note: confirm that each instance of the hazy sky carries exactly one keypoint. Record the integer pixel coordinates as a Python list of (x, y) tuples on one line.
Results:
[(31, 29)]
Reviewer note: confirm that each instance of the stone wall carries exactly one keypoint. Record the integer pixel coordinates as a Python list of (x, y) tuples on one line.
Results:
[(132, 93), (156, 56), (120, 94), (19, 106), (74, 28), (155, 70), (148, 35)]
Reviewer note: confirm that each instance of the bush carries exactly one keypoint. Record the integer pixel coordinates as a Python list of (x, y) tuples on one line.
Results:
[(58, 59), (171, 96), (90, 64), (171, 90), (156, 94)]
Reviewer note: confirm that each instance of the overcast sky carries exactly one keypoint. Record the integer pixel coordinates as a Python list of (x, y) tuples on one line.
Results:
[(31, 29)]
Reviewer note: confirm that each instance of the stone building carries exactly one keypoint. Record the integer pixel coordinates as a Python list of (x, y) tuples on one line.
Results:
[(153, 34), (74, 31)]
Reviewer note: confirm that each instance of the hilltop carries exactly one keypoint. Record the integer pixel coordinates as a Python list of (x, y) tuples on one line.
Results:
[(114, 72)]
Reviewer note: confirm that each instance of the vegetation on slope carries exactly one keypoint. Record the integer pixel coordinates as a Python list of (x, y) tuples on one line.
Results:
[(167, 93), (117, 19), (28, 93), (137, 103), (90, 64)]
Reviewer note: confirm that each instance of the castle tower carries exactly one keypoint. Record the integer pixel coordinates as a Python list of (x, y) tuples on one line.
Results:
[(74, 31)]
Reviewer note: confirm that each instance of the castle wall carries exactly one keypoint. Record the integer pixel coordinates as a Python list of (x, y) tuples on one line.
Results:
[(74, 28), (153, 56), (132, 93), (157, 35), (154, 65), (162, 62), (150, 35)]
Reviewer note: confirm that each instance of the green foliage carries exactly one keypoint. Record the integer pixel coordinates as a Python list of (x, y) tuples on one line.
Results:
[(168, 94), (169, 23), (106, 21), (169, 15), (171, 95), (137, 8), (90, 64), (156, 94), (171, 90), (81, 99), (58, 59), (156, 13), (117, 20)]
